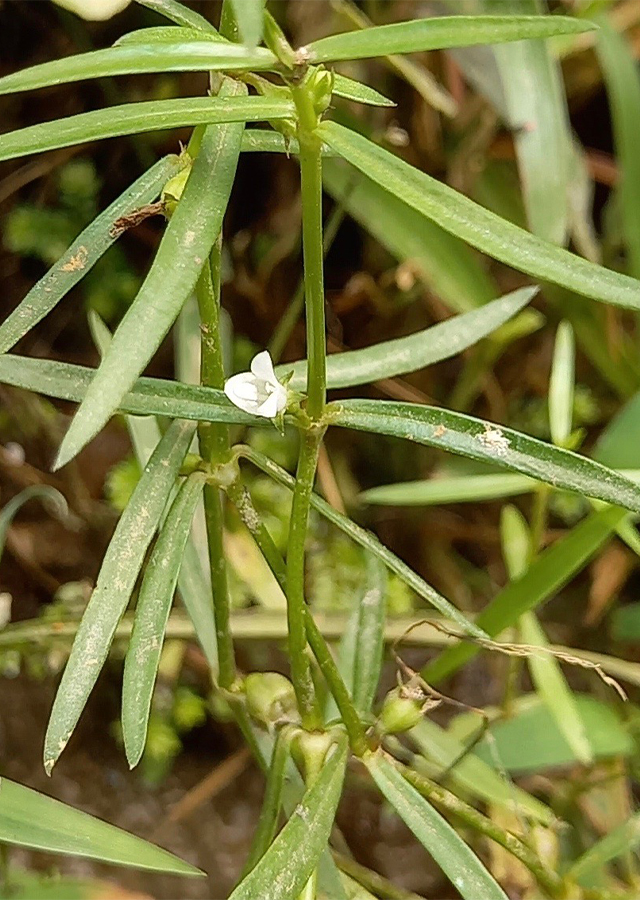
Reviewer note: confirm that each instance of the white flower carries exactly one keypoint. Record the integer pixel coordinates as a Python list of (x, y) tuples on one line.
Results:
[(94, 10), (258, 392)]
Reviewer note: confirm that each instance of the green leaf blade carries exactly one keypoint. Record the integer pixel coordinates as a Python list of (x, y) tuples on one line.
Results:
[(439, 33), (349, 89), (118, 574), (479, 227), (462, 489), (369, 643), (152, 612)]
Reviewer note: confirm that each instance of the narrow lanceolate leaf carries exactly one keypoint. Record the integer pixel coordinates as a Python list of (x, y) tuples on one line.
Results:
[(31, 819), (439, 33), (133, 118), (545, 576), (248, 15), (369, 542), (85, 251), (479, 227), (415, 351), (133, 58), (360, 93), (369, 644), (487, 442), (622, 80), (622, 840), (149, 396), (456, 859), (561, 385), (190, 234), (152, 613), (286, 867), (118, 574), (435, 256), (180, 14), (43, 492), (459, 489), (473, 774)]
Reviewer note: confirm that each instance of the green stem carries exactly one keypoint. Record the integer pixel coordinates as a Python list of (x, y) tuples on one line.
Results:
[(241, 499), (214, 447), (549, 880)]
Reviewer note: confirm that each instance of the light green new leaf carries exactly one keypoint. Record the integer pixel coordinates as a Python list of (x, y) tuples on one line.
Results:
[(458, 489), (561, 385), (487, 442), (360, 93), (149, 396), (133, 58), (152, 613), (286, 867), (369, 644), (31, 819), (133, 118), (456, 859), (621, 840), (472, 773), (415, 351), (549, 572), (43, 492), (85, 251), (438, 258), (440, 32), (272, 802), (118, 575), (190, 234), (248, 15), (180, 14), (369, 542), (622, 80), (479, 227)]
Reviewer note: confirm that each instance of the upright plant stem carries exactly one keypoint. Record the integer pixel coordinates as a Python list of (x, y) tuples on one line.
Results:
[(214, 447)]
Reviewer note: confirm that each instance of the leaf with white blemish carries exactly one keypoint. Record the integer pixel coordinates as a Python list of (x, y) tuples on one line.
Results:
[(152, 613), (118, 574)]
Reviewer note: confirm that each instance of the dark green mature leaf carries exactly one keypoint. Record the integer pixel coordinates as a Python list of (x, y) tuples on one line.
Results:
[(415, 351), (85, 251), (118, 574), (132, 118), (286, 867), (478, 226), (455, 858), (192, 229), (152, 612), (488, 442), (545, 576), (439, 33), (148, 397), (369, 542), (133, 58), (180, 14), (31, 819)]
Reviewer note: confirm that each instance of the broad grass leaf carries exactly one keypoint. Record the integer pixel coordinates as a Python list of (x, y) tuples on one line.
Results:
[(116, 580)]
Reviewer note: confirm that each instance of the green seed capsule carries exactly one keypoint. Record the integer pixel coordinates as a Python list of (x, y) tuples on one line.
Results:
[(270, 697), (399, 713)]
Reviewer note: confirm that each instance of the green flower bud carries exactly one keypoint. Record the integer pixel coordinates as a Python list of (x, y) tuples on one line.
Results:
[(399, 713), (172, 191), (309, 750), (321, 84), (270, 697)]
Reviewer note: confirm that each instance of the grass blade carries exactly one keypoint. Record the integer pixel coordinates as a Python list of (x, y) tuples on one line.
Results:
[(133, 58), (439, 33), (31, 819), (424, 348), (458, 489), (286, 867), (455, 858), (622, 81), (370, 543), (623, 839), (561, 385), (133, 118), (44, 492), (84, 253), (479, 227), (437, 257), (189, 236), (545, 576), (118, 575), (152, 613), (486, 442)]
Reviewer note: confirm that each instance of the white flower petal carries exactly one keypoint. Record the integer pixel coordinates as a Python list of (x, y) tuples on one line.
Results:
[(269, 409), (236, 389), (262, 367)]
